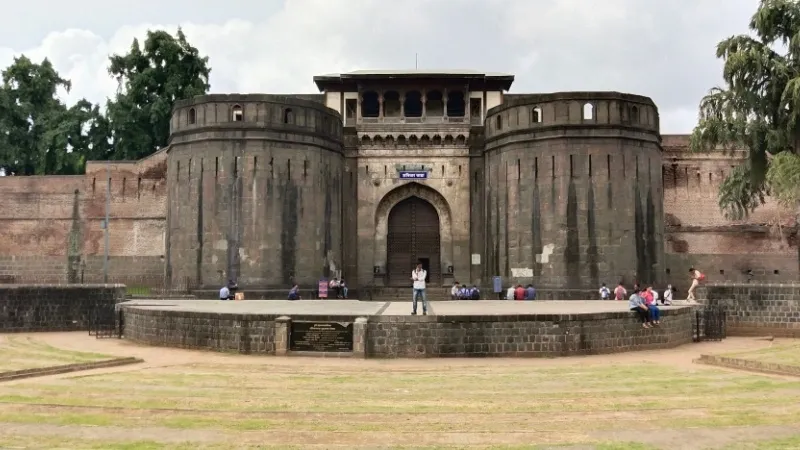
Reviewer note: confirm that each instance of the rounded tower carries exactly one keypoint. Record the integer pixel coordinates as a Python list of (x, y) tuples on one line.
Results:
[(574, 190), (254, 191)]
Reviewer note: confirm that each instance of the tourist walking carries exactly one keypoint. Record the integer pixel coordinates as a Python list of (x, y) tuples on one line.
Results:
[(418, 277), (697, 277)]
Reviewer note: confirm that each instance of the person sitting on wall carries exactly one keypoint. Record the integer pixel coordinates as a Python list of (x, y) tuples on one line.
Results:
[(225, 293), (510, 293), (666, 299), (342, 289), (463, 292), (636, 304), (294, 292), (530, 293), (474, 293), (619, 292), (333, 287), (605, 292), (454, 291), (232, 288), (649, 297), (519, 293)]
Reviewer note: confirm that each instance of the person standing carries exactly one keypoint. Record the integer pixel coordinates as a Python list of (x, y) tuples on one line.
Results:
[(418, 277), (697, 277)]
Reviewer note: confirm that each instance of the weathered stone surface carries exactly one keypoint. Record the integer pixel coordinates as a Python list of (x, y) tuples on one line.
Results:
[(581, 332), (756, 309), (25, 308)]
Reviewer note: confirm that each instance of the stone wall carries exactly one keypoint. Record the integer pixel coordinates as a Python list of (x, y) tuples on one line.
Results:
[(419, 336), (756, 309), (255, 191), (27, 308), (573, 190), (52, 225), (698, 234)]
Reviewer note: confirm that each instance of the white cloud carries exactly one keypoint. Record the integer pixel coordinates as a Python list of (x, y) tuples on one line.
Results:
[(664, 50)]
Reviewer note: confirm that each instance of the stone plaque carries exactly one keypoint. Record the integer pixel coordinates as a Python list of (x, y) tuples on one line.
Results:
[(321, 337), (476, 259)]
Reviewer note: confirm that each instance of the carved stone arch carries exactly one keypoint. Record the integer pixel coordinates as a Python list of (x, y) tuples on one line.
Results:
[(448, 139), (389, 140), (461, 140), (401, 140), (377, 140), (437, 139), (365, 140), (425, 140), (399, 194), (413, 140)]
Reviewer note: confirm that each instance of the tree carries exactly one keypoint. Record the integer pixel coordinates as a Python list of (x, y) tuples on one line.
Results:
[(758, 110), (152, 78), (39, 135)]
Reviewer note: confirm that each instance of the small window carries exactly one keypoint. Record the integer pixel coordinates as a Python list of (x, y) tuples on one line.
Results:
[(588, 111), (288, 116), (237, 113), (536, 115), (499, 122), (634, 114), (192, 116)]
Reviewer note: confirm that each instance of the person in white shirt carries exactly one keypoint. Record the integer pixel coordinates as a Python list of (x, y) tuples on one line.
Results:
[(454, 291), (418, 278), (605, 293), (224, 293), (510, 293), (667, 299)]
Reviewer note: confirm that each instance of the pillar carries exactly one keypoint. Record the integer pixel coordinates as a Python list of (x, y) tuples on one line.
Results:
[(283, 325), (360, 337)]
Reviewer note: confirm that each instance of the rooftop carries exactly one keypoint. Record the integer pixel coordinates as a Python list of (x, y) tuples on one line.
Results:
[(499, 80)]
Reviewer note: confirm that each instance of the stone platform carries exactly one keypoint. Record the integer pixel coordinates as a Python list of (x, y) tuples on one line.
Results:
[(387, 329)]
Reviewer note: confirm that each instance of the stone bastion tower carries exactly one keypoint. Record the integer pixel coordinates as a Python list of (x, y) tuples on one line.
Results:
[(385, 169), (573, 190), (255, 190)]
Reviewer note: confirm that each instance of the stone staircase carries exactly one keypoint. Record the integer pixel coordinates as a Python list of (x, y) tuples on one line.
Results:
[(399, 294)]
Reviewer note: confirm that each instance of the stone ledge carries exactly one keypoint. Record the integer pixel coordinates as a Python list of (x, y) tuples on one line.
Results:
[(55, 370), (748, 364)]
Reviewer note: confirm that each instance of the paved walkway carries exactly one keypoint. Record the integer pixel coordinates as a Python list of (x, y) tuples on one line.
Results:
[(355, 307)]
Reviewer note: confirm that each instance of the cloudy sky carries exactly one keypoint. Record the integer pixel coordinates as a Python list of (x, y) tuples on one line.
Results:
[(662, 49)]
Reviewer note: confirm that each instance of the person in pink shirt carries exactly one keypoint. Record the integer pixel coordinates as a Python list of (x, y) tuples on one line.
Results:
[(620, 293), (649, 300)]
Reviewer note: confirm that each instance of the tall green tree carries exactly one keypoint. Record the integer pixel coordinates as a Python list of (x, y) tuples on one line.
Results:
[(39, 134), (152, 77), (758, 109)]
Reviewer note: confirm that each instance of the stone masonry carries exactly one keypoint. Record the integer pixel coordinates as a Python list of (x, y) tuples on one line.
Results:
[(756, 309), (279, 189), (41, 307)]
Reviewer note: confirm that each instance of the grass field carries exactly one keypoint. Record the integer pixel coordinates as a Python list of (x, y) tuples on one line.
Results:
[(193, 400), (785, 351), (24, 352)]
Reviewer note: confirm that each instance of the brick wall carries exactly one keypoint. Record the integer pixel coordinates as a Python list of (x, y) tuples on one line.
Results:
[(53, 225), (698, 234), (756, 309), (25, 308), (422, 336)]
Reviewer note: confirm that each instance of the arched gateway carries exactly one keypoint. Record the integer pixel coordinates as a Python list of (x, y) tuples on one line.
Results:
[(413, 224), (413, 238)]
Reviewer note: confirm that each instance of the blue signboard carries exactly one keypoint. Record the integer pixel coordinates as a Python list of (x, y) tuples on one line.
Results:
[(413, 175), (497, 284)]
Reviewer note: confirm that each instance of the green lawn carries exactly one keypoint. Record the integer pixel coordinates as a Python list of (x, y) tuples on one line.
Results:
[(782, 352), (20, 352), (406, 404)]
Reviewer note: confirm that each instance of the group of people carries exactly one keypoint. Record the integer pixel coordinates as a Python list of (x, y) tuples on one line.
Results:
[(463, 292), (620, 293), (521, 293), (643, 303)]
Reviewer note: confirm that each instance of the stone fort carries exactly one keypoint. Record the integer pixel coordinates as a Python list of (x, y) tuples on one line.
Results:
[(384, 169)]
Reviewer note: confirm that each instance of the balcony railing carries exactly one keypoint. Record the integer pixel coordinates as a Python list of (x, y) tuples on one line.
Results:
[(413, 120)]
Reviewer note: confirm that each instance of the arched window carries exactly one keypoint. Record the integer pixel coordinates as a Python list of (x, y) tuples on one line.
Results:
[(288, 115), (192, 116), (588, 111), (634, 114), (498, 122), (237, 114), (455, 104), (412, 107), (370, 105), (536, 115)]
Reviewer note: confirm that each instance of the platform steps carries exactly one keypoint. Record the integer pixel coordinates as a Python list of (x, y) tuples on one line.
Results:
[(391, 294)]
